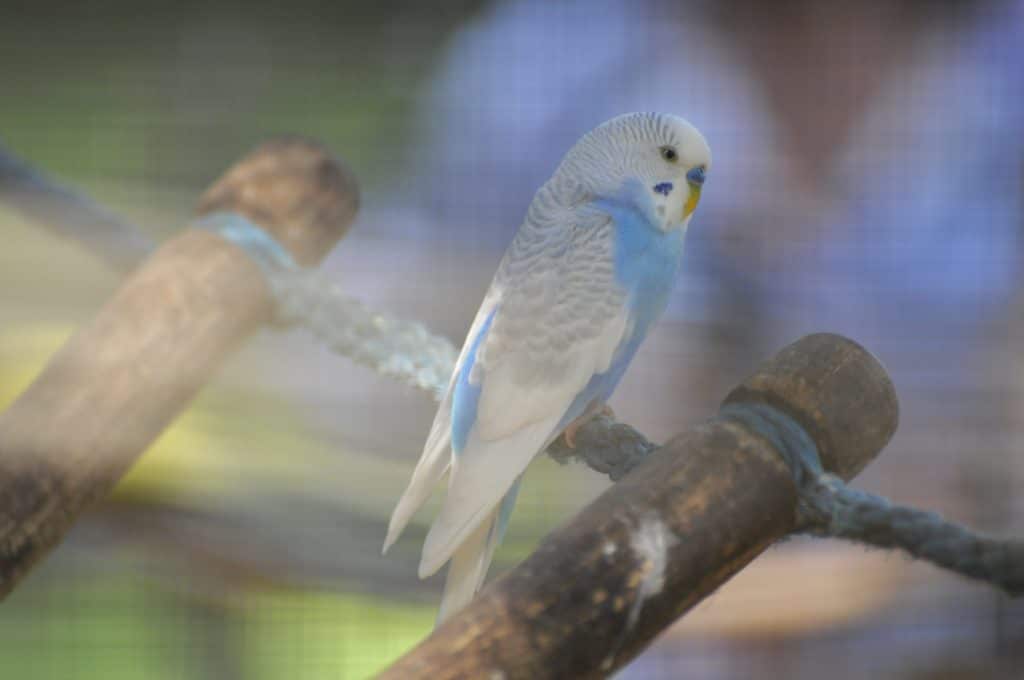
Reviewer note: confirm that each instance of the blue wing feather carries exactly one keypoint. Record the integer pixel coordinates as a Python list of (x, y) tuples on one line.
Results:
[(466, 397)]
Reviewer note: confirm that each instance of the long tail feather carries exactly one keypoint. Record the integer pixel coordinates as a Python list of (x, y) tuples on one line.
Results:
[(469, 564), (428, 473)]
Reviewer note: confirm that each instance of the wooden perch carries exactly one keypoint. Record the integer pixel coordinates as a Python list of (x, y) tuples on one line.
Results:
[(597, 592), (114, 387)]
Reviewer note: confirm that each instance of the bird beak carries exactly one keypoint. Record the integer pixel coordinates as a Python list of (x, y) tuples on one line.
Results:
[(691, 200)]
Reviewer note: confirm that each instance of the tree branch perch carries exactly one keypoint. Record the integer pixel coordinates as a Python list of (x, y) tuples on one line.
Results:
[(122, 378), (696, 511)]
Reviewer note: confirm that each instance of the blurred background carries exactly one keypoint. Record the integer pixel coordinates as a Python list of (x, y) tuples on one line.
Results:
[(868, 180)]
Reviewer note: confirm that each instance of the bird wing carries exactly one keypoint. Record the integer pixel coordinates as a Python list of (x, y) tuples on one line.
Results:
[(434, 460), (554, 317)]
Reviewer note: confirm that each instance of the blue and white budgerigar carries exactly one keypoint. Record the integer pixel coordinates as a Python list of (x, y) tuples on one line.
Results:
[(586, 275)]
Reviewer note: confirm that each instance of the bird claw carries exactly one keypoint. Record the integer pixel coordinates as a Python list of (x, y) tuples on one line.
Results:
[(574, 426), (570, 433)]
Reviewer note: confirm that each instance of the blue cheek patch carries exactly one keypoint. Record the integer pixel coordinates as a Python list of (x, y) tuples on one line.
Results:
[(664, 188)]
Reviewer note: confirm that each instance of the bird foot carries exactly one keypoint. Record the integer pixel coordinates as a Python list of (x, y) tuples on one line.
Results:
[(574, 426)]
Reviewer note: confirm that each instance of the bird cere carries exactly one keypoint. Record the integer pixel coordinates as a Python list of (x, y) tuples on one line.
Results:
[(587, 274)]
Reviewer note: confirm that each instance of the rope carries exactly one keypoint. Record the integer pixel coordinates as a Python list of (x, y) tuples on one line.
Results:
[(606, 446), (854, 515), (828, 507), (404, 350), (71, 215)]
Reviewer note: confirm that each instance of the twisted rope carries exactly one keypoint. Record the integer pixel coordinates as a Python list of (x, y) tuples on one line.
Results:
[(403, 350), (834, 509), (606, 446)]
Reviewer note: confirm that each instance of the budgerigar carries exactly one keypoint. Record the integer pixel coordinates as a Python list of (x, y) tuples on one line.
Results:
[(587, 274)]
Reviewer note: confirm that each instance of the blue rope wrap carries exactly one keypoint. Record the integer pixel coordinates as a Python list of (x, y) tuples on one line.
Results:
[(787, 436), (263, 248)]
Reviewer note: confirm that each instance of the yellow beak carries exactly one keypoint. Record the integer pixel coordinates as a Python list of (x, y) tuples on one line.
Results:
[(691, 201)]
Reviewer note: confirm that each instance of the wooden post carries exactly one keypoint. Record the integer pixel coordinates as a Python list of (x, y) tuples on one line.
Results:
[(597, 592), (121, 379)]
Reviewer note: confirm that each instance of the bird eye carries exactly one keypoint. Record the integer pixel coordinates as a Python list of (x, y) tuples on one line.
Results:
[(669, 154)]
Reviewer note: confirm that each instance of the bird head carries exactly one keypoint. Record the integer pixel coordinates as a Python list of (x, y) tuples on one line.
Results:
[(654, 162)]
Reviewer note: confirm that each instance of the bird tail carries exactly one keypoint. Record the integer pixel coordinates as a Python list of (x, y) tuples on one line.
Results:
[(429, 470), (468, 566)]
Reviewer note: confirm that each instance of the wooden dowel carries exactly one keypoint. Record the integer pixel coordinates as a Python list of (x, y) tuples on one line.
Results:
[(111, 390), (597, 592)]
